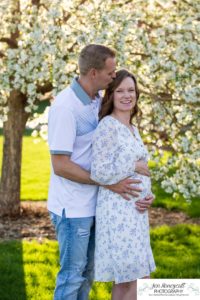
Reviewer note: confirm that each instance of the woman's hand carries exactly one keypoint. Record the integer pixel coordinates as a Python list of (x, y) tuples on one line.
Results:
[(141, 167), (145, 203)]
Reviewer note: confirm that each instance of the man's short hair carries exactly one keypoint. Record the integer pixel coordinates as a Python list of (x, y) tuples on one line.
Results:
[(94, 56)]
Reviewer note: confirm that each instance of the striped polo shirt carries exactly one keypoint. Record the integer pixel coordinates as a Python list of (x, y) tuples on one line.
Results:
[(73, 117)]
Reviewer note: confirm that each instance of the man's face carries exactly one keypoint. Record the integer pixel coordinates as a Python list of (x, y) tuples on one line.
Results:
[(106, 75)]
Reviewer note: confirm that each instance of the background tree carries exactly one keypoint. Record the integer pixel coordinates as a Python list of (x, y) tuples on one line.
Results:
[(157, 40)]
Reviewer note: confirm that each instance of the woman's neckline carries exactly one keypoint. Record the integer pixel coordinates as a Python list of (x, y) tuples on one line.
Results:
[(131, 130)]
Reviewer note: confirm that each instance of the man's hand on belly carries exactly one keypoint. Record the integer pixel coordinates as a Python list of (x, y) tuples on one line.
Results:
[(125, 188)]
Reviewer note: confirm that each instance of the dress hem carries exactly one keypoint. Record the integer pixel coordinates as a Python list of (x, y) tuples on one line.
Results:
[(135, 278)]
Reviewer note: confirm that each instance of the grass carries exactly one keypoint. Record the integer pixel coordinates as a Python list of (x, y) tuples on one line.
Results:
[(177, 251), (28, 269), (35, 168)]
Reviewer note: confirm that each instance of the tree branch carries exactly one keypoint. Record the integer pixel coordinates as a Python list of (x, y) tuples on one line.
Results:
[(47, 87), (159, 96), (70, 50), (16, 11), (143, 55), (68, 16), (10, 42), (36, 2), (2, 54)]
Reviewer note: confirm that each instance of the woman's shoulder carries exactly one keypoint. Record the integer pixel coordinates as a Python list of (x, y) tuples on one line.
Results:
[(108, 121), (108, 126)]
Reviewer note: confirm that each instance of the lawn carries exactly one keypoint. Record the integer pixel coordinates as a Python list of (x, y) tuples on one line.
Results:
[(28, 269), (35, 168)]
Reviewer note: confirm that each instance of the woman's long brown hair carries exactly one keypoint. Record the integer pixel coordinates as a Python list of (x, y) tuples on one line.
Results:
[(107, 102)]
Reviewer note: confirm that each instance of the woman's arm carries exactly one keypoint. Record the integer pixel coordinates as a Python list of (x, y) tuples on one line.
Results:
[(109, 164)]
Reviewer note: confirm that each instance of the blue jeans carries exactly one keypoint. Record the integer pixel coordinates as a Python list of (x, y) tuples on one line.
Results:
[(76, 244)]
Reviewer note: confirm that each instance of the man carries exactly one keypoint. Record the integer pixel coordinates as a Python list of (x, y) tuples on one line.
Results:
[(73, 118)]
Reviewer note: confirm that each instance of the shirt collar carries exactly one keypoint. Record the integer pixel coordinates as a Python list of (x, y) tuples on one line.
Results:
[(79, 91)]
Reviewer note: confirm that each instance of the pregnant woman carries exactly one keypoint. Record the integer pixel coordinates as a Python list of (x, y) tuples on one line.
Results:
[(123, 252)]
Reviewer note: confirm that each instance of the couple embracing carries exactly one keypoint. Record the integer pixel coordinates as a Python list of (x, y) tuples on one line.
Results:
[(100, 187)]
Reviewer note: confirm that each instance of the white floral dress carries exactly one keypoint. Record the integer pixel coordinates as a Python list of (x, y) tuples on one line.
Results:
[(123, 252)]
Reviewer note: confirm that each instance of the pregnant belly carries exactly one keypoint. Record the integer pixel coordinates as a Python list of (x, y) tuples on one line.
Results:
[(145, 185)]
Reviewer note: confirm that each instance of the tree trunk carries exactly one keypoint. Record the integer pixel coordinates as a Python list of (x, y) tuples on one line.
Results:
[(12, 152)]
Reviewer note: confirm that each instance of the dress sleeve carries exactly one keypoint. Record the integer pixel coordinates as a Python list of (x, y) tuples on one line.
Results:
[(110, 163)]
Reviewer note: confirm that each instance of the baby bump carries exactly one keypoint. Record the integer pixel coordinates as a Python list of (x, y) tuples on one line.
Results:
[(144, 185)]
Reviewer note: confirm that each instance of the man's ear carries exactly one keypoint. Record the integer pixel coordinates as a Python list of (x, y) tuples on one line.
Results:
[(93, 73)]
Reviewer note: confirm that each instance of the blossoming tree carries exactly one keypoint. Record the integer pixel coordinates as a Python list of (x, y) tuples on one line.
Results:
[(157, 40)]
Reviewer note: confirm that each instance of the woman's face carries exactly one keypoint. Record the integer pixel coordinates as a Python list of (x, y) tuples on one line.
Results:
[(125, 95)]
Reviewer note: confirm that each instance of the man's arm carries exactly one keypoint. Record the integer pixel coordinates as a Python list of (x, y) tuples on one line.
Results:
[(64, 167)]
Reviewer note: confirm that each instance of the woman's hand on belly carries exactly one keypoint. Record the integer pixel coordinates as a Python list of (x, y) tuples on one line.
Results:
[(145, 203), (141, 167)]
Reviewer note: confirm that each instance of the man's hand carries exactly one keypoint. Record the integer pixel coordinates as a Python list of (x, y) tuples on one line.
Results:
[(141, 167), (145, 203), (125, 188)]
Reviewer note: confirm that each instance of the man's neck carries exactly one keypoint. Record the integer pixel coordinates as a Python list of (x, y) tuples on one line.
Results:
[(87, 86)]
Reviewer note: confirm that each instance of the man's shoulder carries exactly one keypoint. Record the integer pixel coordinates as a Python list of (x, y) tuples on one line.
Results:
[(65, 99), (64, 95)]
